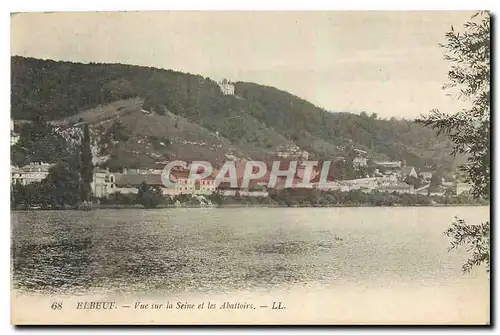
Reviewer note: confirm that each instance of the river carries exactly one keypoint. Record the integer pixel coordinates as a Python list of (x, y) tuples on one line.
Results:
[(219, 252)]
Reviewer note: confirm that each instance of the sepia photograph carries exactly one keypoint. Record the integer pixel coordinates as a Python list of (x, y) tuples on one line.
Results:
[(250, 168)]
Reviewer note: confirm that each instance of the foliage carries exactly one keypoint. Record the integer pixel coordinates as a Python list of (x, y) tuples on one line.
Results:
[(435, 179), (316, 198), (63, 185), (469, 129), (416, 182), (149, 196), (475, 237), (86, 168), (117, 132), (291, 115), (257, 119), (61, 189), (159, 142), (38, 142), (119, 198)]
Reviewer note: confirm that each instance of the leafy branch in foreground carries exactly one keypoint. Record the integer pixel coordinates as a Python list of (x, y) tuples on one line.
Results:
[(469, 129), (475, 237)]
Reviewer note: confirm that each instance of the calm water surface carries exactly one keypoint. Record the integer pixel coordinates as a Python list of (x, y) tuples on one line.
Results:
[(230, 249)]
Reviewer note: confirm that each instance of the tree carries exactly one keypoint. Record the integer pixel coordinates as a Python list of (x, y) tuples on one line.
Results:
[(62, 185), (469, 129), (411, 180), (435, 180), (149, 197), (87, 168), (17, 195)]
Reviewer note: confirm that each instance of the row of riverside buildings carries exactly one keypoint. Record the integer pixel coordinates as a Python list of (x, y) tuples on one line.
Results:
[(389, 176), (127, 181), (105, 183)]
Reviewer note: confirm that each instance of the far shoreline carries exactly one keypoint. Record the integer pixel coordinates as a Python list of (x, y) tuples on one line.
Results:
[(138, 207)]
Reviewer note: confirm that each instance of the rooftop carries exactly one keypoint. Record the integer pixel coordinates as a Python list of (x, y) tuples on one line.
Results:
[(137, 179), (36, 167)]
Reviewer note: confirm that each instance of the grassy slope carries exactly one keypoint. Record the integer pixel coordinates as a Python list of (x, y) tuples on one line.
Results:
[(257, 120)]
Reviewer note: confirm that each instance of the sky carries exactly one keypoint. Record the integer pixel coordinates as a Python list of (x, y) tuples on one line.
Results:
[(388, 63)]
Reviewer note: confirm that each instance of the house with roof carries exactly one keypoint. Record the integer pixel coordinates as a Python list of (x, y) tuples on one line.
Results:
[(359, 162), (385, 166), (182, 183), (397, 188), (30, 173), (128, 183), (103, 183), (15, 174), (408, 171), (425, 175), (226, 87)]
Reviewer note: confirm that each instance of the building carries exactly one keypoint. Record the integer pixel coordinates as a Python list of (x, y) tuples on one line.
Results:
[(359, 162), (255, 189), (182, 183), (204, 186), (300, 173), (135, 171), (408, 171), (424, 190), (387, 179), (103, 183), (226, 87), (291, 151), (359, 184), (15, 175), (425, 175), (463, 188), (128, 183), (31, 173), (398, 188), (389, 165), (304, 155), (329, 186), (14, 137)]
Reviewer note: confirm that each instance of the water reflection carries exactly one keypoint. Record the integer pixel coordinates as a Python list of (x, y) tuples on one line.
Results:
[(228, 249)]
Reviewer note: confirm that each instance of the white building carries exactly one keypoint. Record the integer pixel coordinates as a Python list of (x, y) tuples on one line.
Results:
[(128, 183), (291, 150), (359, 162), (31, 173), (16, 175), (103, 183), (304, 155), (226, 87), (389, 164), (14, 137), (463, 188), (408, 171), (398, 188)]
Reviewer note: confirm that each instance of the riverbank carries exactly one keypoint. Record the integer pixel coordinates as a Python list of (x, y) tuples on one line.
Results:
[(139, 207), (276, 198)]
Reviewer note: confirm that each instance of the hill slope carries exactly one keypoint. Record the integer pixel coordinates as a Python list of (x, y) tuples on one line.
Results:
[(153, 105)]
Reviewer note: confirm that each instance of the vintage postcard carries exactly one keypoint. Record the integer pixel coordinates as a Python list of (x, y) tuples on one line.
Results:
[(250, 168)]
